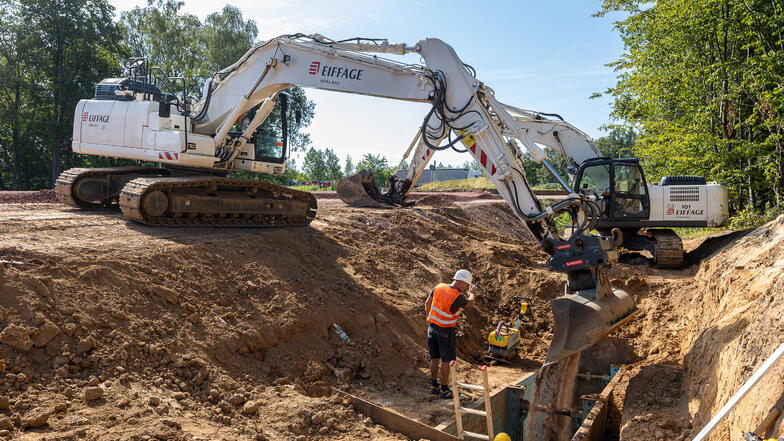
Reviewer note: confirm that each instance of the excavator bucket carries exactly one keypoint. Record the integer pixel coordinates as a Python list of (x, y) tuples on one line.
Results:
[(581, 321), (360, 190)]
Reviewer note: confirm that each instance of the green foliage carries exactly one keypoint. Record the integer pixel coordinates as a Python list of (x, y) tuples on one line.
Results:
[(314, 165), (332, 165), (619, 143), (348, 169), (377, 165), (51, 55), (170, 39), (747, 218), (311, 188), (227, 36), (700, 81)]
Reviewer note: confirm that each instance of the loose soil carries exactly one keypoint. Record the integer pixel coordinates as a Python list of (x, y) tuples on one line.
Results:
[(114, 330)]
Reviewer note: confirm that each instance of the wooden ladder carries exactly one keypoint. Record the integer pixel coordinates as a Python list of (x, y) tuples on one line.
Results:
[(460, 410)]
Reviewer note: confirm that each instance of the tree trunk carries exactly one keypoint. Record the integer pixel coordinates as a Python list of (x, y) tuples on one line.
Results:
[(58, 60), (16, 148)]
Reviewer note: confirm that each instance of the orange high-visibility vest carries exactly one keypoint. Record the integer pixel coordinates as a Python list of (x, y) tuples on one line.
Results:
[(443, 297)]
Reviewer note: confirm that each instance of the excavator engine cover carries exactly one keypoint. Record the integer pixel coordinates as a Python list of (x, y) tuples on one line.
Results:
[(581, 321), (360, 190)]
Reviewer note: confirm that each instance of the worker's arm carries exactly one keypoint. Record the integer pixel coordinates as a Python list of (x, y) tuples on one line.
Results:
[(428, 302), (463, 300)]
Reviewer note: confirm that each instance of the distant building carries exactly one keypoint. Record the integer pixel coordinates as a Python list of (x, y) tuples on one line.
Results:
[(443, 174)]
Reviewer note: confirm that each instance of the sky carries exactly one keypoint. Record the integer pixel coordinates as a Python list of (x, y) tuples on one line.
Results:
[(545, 56)]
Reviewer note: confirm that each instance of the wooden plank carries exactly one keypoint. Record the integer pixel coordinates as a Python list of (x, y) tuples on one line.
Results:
[(488, 404), (395, 421), (456, 399)]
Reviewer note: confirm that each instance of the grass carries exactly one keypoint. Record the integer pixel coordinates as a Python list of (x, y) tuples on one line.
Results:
[(691, 232), (310, 188), (480, 183)]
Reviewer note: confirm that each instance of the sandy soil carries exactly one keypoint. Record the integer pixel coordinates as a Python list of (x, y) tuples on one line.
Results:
[(110, 329), (176, 324)]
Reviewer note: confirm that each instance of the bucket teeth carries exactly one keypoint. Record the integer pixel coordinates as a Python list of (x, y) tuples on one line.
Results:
[(580, 321)]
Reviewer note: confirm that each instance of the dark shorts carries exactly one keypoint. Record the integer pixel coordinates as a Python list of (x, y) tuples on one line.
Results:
[(441, 343)]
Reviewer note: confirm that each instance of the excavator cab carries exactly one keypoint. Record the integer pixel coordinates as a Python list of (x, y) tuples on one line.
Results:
[(618, 186)]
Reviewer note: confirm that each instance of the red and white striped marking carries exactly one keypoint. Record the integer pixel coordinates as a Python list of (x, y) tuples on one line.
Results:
[(427, 154), (314, 67), (169, 156), (486, 163)]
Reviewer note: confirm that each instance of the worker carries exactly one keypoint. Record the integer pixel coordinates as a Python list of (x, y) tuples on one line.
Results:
[(442, 307)]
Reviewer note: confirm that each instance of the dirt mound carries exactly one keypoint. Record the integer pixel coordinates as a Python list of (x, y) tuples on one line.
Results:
[(701, 338), (110, 329), (27, 197), (435, 201)]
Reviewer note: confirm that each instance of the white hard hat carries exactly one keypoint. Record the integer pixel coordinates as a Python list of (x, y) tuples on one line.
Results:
[(463, 275)]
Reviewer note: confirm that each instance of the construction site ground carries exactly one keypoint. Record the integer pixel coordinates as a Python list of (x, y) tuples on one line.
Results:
[(114, 330)]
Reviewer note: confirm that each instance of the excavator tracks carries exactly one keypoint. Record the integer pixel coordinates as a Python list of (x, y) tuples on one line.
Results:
[(215, 201), (668, 248), (97, 188)]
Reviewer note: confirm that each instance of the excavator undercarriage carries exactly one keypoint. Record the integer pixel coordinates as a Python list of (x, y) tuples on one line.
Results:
[(152, 196)]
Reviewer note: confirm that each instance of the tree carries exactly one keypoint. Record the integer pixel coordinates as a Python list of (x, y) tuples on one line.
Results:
[(172, 40), (227, 36), (314, 165), (334, 172), (377, 165), (348, 170), (51, 55), (619, 143), (700, 81)]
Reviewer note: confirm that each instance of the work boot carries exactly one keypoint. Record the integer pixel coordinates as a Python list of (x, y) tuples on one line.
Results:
[(445, 393), (434, 387)]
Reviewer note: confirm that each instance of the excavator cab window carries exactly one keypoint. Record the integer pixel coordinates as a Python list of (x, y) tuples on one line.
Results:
[(268, 148), (630, 192), (595, 180)]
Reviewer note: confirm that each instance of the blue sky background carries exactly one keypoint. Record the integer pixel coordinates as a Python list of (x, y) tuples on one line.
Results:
[(546, 56)]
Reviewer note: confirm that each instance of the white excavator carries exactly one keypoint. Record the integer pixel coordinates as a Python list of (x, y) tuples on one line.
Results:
[(199, 145)]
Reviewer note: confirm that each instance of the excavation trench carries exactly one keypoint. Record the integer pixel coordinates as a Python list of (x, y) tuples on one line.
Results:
[(229, 334)]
